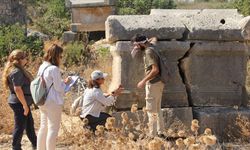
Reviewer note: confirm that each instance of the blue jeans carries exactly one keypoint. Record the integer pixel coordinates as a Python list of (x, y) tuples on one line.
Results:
[(22, 123)]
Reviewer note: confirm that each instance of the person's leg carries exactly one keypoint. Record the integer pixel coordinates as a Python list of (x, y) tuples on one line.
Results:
[(103, 118), (20, 121), (42, 133), (95, 121), (92, 122), (158, 90), (151, 110), (54, 120), (30, 130)]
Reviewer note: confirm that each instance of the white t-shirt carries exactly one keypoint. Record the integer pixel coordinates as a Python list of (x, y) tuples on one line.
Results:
[(52, 75), (94, 102)]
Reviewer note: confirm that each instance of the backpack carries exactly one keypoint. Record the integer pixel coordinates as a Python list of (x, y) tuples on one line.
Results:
[(76, 105), (164, 71), (38, 89)]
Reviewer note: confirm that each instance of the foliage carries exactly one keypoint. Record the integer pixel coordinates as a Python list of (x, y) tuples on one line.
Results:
[(138, 7), (13, 37), (103, 51), (77, 53), (243, 6), (53, 18)]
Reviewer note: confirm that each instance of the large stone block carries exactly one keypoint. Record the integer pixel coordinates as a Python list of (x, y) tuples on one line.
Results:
[(175, 12), (208, 24), (69, 36), (226, 123), (174, 118), (215, 73), (129, 72), (245, 26), (123, 28), (88, 3), (90, 18)]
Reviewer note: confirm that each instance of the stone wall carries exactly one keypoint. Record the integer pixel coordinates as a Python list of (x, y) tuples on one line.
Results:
[(206, 52), (89, 15), (12, 11)]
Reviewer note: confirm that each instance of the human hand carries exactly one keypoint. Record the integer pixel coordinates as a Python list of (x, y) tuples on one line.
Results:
[(118, 90), (141, 84), (26, 110), (68, 80)]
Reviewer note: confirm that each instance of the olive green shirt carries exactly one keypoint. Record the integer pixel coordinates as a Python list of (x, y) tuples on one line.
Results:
[(151, 58)]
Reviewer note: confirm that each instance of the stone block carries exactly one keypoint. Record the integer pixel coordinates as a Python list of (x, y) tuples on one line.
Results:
[(208, 24), (215, 73), (245, 27), (110, 2), (90, 18), (88, 3), (129, 72), (123, 28), (69, 36), (175, 12), (226, 123), (174, 118)]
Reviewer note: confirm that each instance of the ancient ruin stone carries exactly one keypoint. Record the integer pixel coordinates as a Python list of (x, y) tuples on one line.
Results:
[(12, 11), (226, 123), (174, 118), (90, 15), (129, 72), (245, 27), (215, 73), (69, 36), (119, 28), (208, 24)]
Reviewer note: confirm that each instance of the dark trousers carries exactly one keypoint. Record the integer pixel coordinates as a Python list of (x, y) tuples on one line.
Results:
[(94, 121), (22, 122)]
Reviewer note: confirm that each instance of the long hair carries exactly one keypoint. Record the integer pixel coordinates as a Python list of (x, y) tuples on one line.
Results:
[(93, 84), (13, 62), (53, 54)]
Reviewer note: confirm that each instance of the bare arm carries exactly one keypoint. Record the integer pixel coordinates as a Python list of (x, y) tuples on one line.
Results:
[(154, 71), (19, 93), (153, 40)]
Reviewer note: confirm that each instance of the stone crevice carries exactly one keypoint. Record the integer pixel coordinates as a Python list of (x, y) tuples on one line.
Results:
[(185, 34), (182, 73)]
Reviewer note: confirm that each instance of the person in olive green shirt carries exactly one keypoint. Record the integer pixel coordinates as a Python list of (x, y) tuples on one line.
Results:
[(151, 81)]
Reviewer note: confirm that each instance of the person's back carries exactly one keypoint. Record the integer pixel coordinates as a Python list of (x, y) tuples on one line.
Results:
[(52, 77)]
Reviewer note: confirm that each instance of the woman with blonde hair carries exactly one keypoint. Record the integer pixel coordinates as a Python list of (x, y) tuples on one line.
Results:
[(17, 79), (52, 109)]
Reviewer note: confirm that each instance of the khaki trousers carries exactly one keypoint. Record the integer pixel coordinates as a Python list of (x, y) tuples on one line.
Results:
[(153, 105)]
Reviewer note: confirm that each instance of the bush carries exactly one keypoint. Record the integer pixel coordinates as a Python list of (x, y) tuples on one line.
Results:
[(13, 37), (77, 53), (243, 6), (103, 52), (54, 17), (140, 7)]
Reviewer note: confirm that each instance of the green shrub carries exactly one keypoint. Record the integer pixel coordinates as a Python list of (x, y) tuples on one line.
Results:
[(103, 52), (54, 17), (139, 7), (243, 6), (13, 37), (72, 53), (77, 53)]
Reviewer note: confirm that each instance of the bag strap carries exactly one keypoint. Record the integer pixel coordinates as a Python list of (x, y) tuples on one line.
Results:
[(43, 78)]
